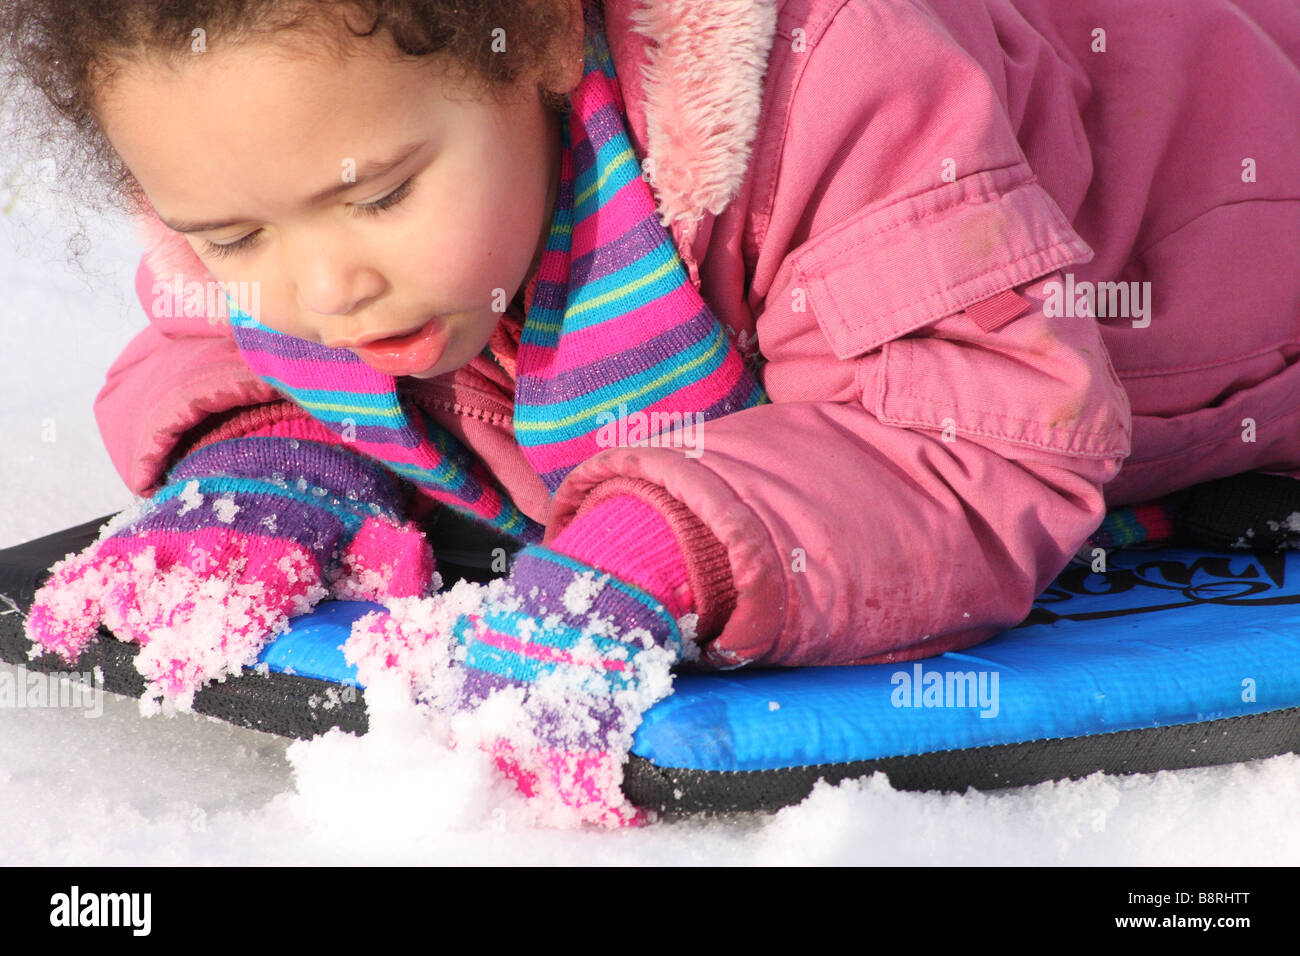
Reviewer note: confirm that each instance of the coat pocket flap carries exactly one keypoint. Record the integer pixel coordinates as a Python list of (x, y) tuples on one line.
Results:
[(889, 270)]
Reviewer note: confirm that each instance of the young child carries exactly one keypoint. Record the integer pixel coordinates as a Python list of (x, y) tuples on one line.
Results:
[(827, 329)]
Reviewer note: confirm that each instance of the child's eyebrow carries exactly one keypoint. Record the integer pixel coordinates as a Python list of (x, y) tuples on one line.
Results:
[(372, 169)]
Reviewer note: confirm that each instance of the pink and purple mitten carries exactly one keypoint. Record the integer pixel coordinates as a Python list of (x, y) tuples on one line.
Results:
[(251, 528), (552, 674)]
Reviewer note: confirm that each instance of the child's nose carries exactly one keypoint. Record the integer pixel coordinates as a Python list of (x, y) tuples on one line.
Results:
[(332, 291)]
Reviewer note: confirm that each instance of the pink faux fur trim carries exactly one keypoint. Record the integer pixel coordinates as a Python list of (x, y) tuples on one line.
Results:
[(703, 79)]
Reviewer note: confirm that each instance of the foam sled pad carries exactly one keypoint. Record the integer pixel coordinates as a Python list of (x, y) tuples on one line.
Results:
[(1170, 658)]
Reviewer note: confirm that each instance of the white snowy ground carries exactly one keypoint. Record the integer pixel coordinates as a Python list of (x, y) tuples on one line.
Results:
[(117, 788)]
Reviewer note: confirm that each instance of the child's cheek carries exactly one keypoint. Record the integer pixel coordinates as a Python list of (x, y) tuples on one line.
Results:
[(451, 254), (471, 271)]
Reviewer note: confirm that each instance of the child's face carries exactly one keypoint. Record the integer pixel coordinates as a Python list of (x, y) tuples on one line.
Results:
[(232, 146)]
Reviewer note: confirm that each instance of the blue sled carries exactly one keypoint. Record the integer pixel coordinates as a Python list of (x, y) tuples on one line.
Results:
[(1172, 658)]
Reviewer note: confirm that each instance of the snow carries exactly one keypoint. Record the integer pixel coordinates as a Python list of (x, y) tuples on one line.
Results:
[(124, 790), (119, 788), (412, 650), (582, 591), (191, 496), (225, 509)]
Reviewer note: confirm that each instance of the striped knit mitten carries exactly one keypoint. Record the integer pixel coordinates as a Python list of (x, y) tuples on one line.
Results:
[(247, 532), (559, 673), (551, 668)]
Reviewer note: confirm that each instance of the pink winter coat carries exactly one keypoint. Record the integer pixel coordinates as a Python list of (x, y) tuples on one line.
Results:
[(868, 192)]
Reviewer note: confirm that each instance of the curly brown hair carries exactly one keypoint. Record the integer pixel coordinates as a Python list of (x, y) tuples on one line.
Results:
[(55, 55)]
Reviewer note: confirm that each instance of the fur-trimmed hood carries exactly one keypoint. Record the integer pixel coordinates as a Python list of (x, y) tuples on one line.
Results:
[(692, 78), (701, 67)]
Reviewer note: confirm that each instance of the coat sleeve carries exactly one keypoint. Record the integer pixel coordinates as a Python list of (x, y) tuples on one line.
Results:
[(173, 375), (931, 459)]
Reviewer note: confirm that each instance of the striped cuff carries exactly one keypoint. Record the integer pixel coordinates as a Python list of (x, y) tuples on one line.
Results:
[(676, 557), (239, 423)]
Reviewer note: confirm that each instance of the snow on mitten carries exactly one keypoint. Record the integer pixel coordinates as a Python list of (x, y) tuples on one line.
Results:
[(557, 674), (247, 532), (551, 668)]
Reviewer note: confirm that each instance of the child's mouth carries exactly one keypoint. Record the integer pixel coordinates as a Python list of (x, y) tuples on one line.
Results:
[(408, 354)]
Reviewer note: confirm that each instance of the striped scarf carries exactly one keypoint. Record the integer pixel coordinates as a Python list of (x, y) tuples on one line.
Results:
[(615, 329)]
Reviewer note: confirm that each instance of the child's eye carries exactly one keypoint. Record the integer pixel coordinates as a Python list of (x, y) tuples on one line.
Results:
[(221, 250), (388, 202)]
